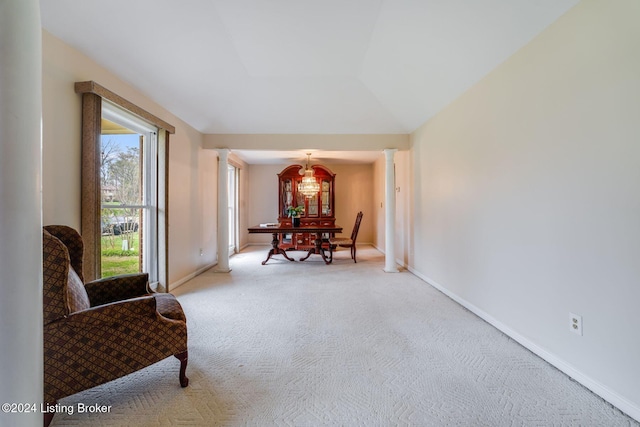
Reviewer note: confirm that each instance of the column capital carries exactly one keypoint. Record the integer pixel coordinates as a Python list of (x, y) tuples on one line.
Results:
[(223, 153), (389, 153)]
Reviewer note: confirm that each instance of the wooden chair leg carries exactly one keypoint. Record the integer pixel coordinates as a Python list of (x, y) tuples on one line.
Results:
[(183, 358), (48, 417), (353, 253)]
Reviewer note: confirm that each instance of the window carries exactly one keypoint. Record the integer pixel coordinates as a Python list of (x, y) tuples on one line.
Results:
[(128, 154), (124, 185)]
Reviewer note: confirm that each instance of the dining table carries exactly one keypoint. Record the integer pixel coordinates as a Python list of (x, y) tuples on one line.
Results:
[(276, 229)]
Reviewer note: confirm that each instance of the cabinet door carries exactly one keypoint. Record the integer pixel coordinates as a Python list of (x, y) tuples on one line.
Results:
[(286, 194), (325, 197), (312, 207), (300, 200)]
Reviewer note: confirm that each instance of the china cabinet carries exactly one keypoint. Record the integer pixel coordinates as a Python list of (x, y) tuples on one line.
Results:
[(319, 208)]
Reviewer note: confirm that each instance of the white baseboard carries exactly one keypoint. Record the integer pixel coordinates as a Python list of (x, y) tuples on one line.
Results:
[(607, 394), (188, 277)]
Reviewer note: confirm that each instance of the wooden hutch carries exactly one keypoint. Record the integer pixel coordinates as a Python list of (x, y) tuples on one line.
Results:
[(318, 209)]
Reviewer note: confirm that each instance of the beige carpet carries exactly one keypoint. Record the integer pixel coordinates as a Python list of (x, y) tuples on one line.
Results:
[(305, 344)]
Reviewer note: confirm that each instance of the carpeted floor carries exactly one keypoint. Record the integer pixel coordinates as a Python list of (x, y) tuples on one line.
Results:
[(306, 344)]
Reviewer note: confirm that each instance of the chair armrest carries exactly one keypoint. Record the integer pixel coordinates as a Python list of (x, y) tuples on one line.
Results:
[(117, 288), (118, 312)]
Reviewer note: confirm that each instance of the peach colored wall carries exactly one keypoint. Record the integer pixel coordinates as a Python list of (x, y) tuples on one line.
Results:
[(192, 170), (354, 192), (354, 189), (378, 204)]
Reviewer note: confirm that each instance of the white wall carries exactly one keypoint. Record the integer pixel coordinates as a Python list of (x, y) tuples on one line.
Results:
[(527, 196), (192, 170)]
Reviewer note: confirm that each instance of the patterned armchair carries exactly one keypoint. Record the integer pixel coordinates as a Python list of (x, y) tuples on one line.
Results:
[(98, 331)]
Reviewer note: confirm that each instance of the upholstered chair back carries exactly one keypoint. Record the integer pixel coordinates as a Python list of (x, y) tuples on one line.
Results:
[(63, 290)]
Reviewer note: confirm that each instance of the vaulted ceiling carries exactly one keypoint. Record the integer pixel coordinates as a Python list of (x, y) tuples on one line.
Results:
[(301, 66)]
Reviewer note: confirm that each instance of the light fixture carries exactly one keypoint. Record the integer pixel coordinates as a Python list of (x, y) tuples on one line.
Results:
[(308, 186)]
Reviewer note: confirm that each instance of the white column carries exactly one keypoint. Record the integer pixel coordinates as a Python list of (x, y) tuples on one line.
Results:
[(390, 212), (223, 211), (20, 208)]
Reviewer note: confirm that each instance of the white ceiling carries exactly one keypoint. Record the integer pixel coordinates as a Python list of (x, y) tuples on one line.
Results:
[(301, 66)]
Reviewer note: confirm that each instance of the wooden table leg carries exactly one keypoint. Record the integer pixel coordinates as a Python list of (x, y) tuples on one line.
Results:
[(321, 249), (275, 250), (311, 251), (318, 250)]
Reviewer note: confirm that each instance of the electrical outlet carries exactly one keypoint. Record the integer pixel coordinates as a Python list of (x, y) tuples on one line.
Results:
[(201, 252), (575, 323)]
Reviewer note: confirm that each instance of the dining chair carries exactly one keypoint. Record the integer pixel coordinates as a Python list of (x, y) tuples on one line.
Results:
[(344, 242)]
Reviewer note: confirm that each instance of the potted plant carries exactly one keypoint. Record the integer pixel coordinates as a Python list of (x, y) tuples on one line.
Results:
[(294, 213)]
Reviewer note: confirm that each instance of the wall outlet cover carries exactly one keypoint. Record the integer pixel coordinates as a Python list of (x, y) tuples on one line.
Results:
[(575, 323)]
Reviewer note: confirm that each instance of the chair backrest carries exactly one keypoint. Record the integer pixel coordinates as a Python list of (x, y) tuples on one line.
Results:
[(356, 227), (55, 272), (63, 290), (73, 242)]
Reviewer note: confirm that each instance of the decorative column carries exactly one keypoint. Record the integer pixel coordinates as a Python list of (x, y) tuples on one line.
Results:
[(21, 364), (390, 212), (223, 211)]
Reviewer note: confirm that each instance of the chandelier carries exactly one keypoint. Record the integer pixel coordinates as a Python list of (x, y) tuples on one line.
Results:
[(308, 186)]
